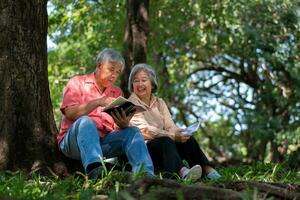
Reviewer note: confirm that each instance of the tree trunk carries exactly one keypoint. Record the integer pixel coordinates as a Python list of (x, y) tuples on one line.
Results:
[(135, 37), (276, 156), (27, 125)]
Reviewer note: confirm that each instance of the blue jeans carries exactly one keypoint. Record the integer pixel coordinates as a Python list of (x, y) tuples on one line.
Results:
[(82, 142)]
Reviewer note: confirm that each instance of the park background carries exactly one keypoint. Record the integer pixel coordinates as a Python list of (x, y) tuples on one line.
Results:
[(233, 65)]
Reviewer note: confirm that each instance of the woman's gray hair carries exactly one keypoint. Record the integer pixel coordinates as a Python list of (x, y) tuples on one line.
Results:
[(110, 55), (146, 68)]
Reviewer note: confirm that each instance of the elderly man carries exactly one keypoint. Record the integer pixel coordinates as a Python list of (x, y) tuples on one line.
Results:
[(90, 135)]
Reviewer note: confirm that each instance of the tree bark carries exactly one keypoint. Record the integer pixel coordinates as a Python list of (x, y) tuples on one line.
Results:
[(135, 37), (27, 124), (152, 188), (284, 191)]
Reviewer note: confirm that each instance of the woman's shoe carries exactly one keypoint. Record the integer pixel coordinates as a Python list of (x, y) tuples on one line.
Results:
[(193, 174), (213, 175)]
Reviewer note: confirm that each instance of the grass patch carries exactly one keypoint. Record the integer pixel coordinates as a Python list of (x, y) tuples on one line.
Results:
[(265, 172), (17, 185)]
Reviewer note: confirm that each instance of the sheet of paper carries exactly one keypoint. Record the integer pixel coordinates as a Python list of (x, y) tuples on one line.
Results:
[(191, 129)]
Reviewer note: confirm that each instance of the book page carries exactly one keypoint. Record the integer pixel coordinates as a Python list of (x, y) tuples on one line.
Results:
[(125, 104), (117, 102)]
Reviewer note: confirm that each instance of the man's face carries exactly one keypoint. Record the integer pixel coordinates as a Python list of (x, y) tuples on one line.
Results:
[(107, 73)]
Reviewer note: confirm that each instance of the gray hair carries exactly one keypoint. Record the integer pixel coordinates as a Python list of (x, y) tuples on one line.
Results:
[(146, 68), (110, 55)]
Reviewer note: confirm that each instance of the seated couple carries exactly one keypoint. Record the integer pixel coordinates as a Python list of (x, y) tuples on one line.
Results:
[(90, 135)]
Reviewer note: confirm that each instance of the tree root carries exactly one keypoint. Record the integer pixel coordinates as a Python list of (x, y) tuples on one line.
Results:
[(279, 190), (153, 188)]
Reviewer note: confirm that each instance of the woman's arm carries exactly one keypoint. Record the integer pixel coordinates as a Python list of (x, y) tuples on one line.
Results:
[(149, 132)]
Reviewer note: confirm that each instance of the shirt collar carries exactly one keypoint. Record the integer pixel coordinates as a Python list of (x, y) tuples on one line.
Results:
[(90, 79), (153, 99)]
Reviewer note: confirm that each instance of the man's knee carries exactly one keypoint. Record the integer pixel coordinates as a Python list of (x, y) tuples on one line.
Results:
[(133, 131), (84, 119), (85, 125), (85, 122)]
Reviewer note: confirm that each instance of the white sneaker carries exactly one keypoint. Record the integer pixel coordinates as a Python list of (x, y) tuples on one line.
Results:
[(193, 174)]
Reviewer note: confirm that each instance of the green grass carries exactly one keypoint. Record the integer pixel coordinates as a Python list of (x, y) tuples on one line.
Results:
[(17, 185), (261, 172)]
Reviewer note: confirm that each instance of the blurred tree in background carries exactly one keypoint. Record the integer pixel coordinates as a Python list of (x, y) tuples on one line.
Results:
[(233, 65)]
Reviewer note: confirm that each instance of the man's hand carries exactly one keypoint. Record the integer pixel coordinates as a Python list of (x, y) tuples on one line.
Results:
[(76, 111), (104, 100), (181, 138), (120, 118)]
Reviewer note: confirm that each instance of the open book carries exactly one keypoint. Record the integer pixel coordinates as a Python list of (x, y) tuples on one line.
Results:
[(191, 129), (121, 102)]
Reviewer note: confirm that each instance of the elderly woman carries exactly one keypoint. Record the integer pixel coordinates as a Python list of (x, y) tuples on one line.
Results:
[(166, 145), (87, 133)]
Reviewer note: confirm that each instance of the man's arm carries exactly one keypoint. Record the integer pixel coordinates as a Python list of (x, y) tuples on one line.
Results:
[(74, 112)]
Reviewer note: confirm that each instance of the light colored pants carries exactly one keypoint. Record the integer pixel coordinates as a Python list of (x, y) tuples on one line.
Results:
[(82, 142)]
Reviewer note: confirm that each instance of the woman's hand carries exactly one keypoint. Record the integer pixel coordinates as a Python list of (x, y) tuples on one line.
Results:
[(179, 137), (120, 118)]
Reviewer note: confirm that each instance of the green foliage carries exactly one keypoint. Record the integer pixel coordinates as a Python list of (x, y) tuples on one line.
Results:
[(219, 139), (81, 29), (236, 60), (239, 59)]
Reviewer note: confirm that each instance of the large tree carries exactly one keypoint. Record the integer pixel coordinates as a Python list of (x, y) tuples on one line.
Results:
[(27, 125)]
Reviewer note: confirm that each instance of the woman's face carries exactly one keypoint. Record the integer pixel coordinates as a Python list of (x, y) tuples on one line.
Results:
[(142, 86)]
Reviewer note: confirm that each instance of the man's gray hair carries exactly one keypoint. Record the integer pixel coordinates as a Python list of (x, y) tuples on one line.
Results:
[(110, 55), (146, 68)]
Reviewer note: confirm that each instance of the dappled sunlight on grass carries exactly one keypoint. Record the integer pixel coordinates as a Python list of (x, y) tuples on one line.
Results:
[(261, 172), (17, 185)]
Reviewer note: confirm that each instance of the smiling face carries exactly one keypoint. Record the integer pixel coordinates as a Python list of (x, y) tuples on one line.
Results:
[(142, 85), (107, 73)]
